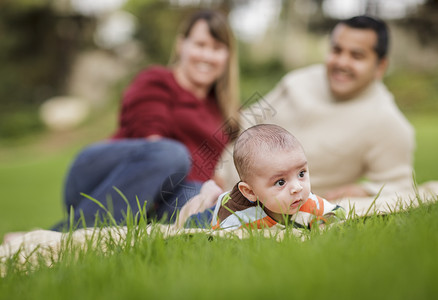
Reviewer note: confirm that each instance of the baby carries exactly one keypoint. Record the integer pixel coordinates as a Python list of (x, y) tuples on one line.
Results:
[(274, 186)]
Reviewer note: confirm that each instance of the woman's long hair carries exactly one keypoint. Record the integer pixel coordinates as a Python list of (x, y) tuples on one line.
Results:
[(226, 88)]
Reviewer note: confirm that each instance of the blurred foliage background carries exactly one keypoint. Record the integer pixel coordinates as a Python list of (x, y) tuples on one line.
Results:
[(79, 55), (91, 49)]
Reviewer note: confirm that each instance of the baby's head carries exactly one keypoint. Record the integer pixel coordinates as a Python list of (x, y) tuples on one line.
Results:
[(272, 168)]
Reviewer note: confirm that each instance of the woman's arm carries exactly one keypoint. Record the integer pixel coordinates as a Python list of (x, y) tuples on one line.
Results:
[(206, 198)]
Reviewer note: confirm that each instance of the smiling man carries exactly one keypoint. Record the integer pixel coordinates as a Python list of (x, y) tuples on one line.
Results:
[(357, 57), (356, 139)]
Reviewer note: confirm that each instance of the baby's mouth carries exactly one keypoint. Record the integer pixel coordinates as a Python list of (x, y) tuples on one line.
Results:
[(296, 203)]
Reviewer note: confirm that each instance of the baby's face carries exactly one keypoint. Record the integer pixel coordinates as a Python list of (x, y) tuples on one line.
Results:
[(280, 180)]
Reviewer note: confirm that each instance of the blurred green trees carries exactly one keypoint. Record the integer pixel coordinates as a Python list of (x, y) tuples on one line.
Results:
[(37, 46), (40, 39)]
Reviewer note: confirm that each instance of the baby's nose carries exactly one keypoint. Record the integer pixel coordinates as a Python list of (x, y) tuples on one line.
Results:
[(296, 187)]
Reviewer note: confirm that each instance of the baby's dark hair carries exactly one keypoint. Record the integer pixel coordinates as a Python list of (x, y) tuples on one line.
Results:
[(259, 139)]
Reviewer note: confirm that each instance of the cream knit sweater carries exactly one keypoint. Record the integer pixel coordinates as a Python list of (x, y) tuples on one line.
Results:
[(364, 139)]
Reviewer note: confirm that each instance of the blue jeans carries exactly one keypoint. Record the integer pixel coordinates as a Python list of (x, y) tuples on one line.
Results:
[(152, 171)]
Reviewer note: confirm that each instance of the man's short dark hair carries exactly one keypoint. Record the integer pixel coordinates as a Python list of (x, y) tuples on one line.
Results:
[(375, 24)]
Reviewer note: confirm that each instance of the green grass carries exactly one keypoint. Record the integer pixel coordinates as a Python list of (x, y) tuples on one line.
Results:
[(32, 173), (31, 185), (391, 257), (31, 193), (426, 160)]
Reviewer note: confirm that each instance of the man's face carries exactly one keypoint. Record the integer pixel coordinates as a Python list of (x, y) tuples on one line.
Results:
[(352, 64)]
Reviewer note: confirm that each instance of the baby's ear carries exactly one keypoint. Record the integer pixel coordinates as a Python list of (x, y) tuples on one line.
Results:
[(247, 191)]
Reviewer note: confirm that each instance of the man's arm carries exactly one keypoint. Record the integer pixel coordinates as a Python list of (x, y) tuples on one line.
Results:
[(350, 190), (388, 164)]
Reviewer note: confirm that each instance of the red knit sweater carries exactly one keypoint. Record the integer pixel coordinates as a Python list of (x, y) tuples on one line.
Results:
[(156, 104)]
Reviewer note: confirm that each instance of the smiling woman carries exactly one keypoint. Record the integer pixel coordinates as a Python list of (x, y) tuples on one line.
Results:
[(173, 126), (202, 60)]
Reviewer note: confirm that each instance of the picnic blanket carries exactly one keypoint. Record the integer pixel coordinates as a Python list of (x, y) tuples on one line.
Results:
[(46, 244)]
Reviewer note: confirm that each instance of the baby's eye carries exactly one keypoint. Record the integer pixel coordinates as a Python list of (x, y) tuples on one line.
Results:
[(302, 174), (280, 182)]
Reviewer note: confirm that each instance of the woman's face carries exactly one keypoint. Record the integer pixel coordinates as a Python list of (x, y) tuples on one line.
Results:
[(202, 58)]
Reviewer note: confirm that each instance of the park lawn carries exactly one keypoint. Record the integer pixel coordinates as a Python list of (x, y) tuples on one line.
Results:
[(32, 174), (30, 194), (426, 154), (31, 185), (392, 257)]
